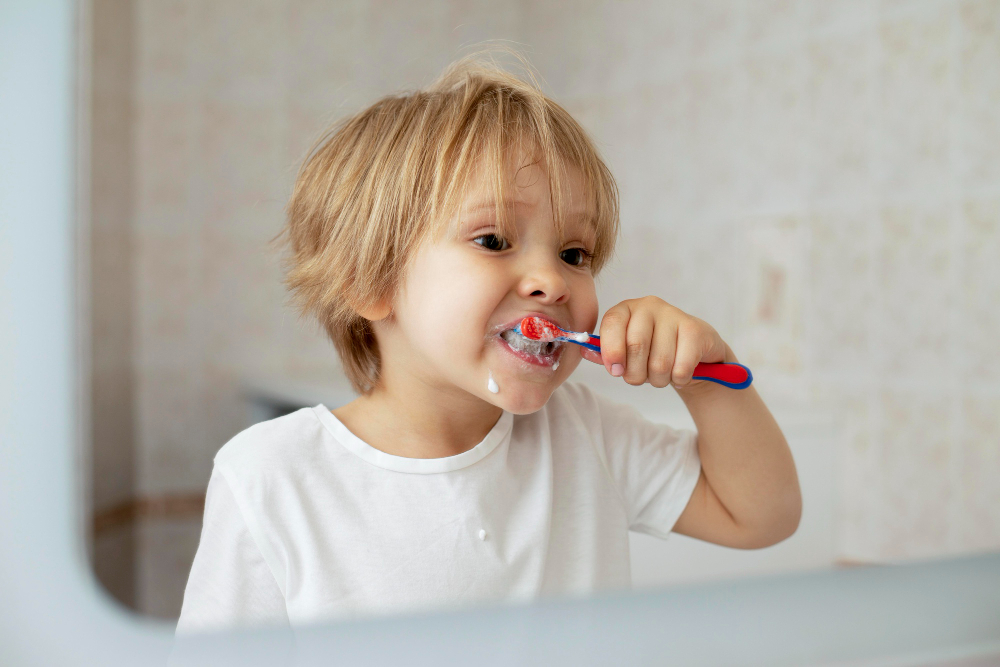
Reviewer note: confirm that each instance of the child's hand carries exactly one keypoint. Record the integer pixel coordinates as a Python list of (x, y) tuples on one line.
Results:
[(648, 339)]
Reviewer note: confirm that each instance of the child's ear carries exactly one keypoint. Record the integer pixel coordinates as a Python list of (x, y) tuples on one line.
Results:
[(376, 312)]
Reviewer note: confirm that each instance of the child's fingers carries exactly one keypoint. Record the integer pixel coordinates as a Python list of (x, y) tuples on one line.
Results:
[(638, 337), (687, 357), (613, 326), (661, 354)]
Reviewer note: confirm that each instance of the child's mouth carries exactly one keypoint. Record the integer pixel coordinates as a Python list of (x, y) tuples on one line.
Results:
[(532, 351)]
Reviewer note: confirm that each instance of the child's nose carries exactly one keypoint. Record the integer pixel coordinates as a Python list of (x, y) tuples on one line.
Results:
[(543, 279)]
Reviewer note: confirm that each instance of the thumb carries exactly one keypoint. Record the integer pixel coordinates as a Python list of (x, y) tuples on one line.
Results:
[(590, 355)]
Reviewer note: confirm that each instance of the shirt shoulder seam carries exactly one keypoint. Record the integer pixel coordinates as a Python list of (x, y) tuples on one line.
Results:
[(254, 530)]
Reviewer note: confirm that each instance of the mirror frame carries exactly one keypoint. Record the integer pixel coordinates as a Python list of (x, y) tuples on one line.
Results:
[(56, 613)]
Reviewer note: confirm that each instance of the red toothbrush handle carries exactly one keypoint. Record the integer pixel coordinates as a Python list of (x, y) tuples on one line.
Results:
[(735, 376)]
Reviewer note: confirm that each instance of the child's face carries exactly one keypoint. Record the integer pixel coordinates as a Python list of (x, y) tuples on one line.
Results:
[(463, 290)]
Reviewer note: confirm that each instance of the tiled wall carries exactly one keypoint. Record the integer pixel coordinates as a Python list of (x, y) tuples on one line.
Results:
[(818, 180), (113, 450), (229, 97)]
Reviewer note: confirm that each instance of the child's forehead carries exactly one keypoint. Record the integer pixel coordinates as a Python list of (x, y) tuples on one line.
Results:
[(527, 191)]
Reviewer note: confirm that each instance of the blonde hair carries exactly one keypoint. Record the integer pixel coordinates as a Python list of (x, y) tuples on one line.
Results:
[(376, 183)]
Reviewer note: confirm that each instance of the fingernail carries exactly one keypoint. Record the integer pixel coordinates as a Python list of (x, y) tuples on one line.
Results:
[(617, 369)]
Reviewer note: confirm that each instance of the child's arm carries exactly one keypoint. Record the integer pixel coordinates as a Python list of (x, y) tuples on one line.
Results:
[(747, 495)]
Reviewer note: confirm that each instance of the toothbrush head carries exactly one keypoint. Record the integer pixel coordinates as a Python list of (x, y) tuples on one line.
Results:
[(536, 328), (540, 329)]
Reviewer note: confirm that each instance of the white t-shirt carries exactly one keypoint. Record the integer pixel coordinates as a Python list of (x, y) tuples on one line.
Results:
[(305, 522)]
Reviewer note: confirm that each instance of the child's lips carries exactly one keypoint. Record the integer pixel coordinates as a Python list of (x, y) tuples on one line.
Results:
[(500, 328)]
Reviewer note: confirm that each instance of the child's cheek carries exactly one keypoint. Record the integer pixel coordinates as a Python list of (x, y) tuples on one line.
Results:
[(455, 306), (585, 306)]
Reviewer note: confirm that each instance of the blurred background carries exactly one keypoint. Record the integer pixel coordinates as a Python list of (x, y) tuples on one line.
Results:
[(817, 179)]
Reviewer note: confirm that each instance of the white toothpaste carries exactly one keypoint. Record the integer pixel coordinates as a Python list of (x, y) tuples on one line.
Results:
[(491, 384), (582, 337)]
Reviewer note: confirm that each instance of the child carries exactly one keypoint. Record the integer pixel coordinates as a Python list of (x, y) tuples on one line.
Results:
[(468, 469)]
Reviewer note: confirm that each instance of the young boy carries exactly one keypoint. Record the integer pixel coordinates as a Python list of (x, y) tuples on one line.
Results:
[(468, 469)]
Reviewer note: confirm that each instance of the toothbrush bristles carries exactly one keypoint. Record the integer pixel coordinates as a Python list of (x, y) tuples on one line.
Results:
[(538, 329)]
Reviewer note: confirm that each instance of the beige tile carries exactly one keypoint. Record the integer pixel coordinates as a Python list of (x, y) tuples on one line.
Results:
[(325, 50), (775, 131), (238, 50), (980, 470), (166, 551), (241, 163), (307, 350), (662, 151), (715, 30), (774, 24), (111, 284), (421, 27), (859, 509), (840, 302), (559, 45), (841, 15), (662, 40), (164, 40), (166, 159), (980, 291), (114, 564), (770, 277), (917, 102), (471, 22), (980, 93), (113, 441), (166, 333), (914, 264), (917, 493), (712, 124), (241, 290), (841, 112), (176, 450)]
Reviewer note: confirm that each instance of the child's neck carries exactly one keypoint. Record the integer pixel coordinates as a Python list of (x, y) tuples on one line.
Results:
[(417, 421)]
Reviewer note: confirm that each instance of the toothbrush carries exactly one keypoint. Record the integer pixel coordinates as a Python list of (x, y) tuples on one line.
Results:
[(734, 376)]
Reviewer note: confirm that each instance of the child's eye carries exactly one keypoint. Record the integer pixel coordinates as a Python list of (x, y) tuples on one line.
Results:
[(576, 256), (492, 241)]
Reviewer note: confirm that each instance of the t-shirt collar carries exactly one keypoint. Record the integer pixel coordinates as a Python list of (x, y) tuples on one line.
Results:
[(376, 457)]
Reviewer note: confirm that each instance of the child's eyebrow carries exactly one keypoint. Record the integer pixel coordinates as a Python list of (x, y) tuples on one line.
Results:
[(580, 222)]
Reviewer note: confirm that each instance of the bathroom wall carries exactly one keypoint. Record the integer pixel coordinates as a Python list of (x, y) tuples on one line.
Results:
[(111, 213), (817, 180), (228, 98)]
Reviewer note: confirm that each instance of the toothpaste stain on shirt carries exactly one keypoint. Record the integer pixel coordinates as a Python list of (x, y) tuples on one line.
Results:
[(492, 385)]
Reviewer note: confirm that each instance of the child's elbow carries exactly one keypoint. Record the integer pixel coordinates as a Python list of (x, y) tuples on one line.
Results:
[(785, 521), (793, 516), (789, 518)]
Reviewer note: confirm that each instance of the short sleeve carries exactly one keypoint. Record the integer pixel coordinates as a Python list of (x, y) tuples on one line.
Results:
[(230, 583), (654, 466)]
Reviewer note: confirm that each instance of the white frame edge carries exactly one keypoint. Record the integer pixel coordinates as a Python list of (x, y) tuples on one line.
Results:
[(55, 613)]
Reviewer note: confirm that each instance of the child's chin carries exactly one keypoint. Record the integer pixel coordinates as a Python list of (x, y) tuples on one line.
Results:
[(523, 402)]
